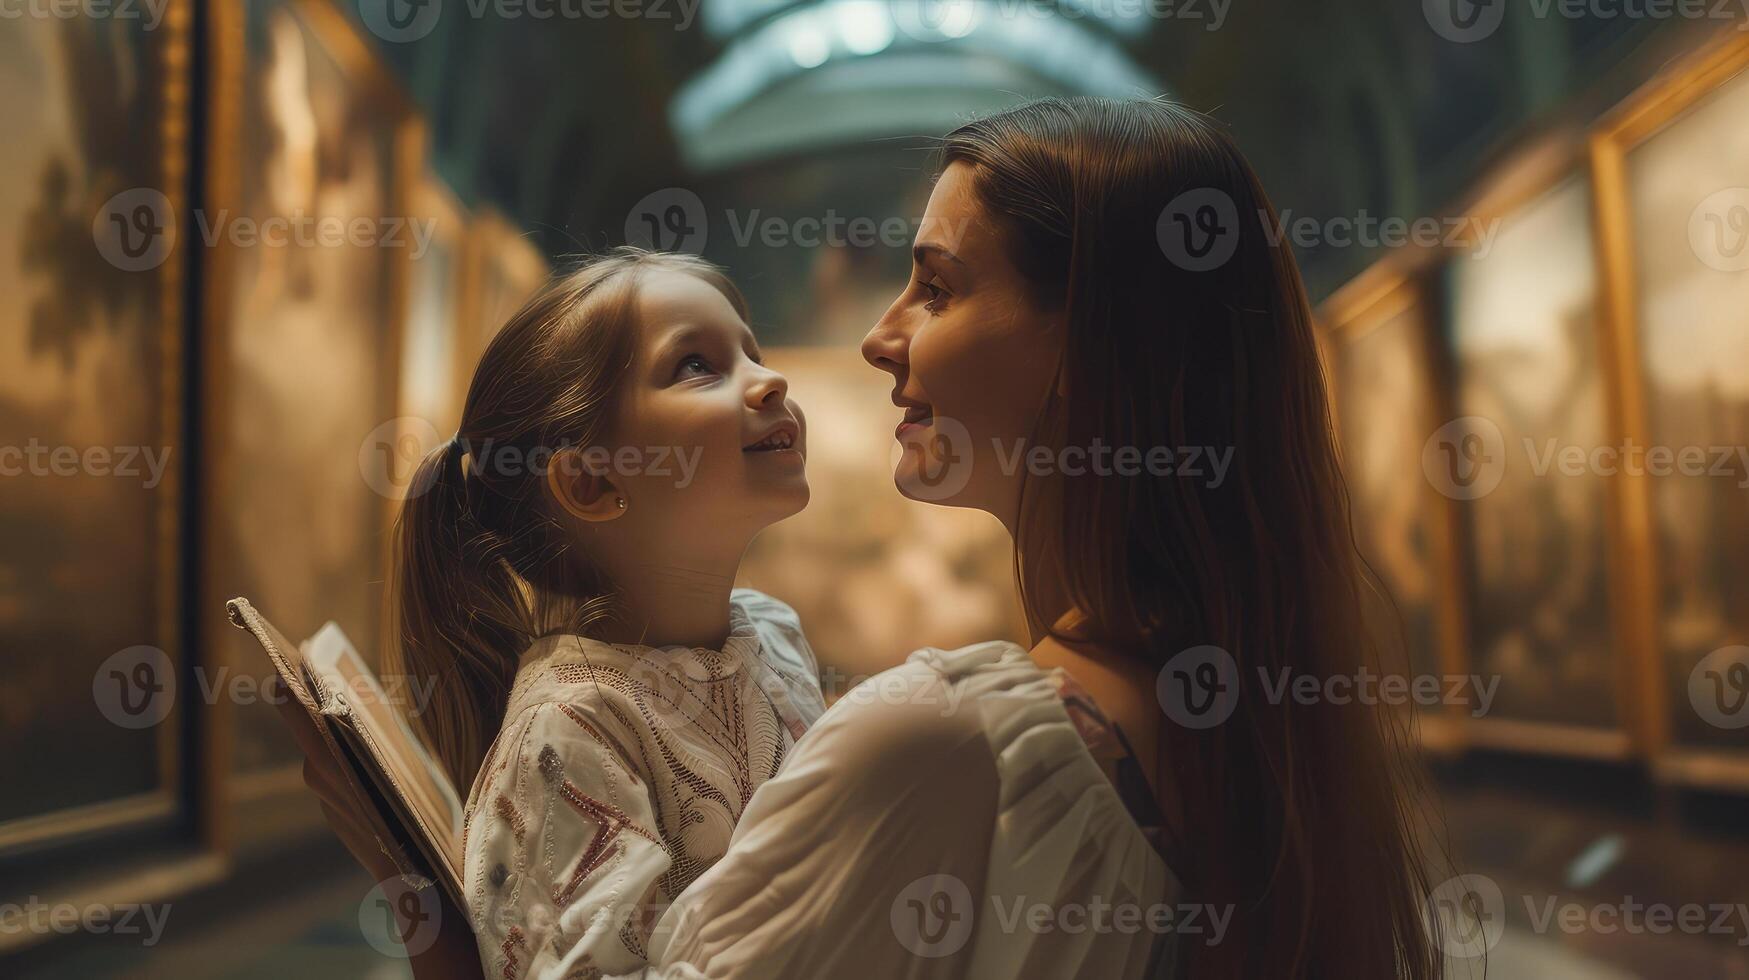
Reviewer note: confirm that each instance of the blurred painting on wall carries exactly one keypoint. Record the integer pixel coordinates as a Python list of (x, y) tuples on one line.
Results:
[(307, 330), (505, 270), (1525, 351), (433, 384), (1383, 393), (872, 574), (1688, 198), (89, 334)]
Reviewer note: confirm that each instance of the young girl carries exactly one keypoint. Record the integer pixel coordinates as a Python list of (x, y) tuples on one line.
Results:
[(565, 583)]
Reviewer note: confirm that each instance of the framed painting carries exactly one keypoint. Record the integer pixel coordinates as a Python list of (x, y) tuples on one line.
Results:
[(1673, 196), (434, 372), (314, 158), (92, 258), (1384, 397), (505, 269), (431, 380), (1529, 416)]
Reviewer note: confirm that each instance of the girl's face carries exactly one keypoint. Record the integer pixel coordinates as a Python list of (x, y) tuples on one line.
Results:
[(972, 358), (707, 440)]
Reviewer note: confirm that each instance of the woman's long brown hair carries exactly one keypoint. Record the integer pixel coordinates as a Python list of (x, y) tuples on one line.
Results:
[(1301, 818), (482, 567)]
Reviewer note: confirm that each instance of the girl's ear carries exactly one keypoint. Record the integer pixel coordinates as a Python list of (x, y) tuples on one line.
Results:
[(583, 494)]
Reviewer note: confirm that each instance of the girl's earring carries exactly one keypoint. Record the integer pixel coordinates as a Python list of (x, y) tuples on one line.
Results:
[(621, 501)]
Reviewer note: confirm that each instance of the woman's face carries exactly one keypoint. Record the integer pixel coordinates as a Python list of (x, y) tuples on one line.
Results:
[(972, 358), (725, 445)]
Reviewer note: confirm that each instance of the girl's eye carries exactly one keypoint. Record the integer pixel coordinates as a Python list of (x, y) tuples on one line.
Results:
[(692, 365)]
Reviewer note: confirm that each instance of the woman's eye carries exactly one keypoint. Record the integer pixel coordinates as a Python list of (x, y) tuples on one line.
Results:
[(692, 365), (936, 295)]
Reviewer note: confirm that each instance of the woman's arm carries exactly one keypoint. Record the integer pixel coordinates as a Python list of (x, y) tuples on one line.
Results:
[(452, 954)]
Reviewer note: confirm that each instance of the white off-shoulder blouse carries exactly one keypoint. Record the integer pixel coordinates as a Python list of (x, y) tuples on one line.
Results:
[(948, 818), (617, 779)]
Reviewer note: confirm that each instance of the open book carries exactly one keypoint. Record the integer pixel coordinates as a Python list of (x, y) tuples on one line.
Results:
[(407, 799)]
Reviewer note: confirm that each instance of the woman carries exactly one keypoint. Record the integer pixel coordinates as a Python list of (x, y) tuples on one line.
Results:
[(1096, 280)]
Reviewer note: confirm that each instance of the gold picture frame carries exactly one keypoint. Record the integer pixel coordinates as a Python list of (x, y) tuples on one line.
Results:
[(240, 806), (439, 281), (1661, 105), (1536, 177), (504, 269), (166, 78), (1390, 304)]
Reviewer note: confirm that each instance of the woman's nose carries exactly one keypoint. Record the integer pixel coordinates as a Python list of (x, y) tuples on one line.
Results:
[(886, 344)]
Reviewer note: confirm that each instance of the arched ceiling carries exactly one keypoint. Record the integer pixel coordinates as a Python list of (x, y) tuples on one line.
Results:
[(1344, 105)]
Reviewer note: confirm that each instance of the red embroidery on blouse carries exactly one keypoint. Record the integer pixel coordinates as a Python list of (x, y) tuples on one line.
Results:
[(507, 811), (609, 821), (513, 941)]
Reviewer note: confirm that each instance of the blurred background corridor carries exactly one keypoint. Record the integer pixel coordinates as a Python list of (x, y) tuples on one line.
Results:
[(250, 251)]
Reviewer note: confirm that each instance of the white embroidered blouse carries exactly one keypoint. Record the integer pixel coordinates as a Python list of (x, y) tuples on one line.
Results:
[(617, 779)]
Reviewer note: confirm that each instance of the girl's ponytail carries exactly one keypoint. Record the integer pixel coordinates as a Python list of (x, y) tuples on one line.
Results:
[(460, 708), (482, 566)]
